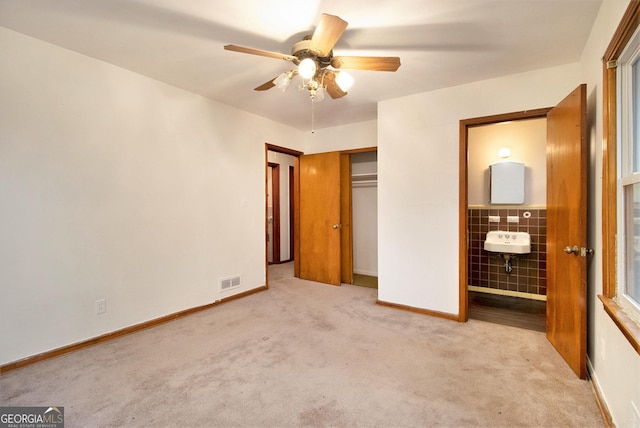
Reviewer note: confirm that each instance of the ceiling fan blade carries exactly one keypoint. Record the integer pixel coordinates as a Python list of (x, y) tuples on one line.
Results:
[(373, 63), (327, 34), (266, 85), (252, 51), (333, 89)]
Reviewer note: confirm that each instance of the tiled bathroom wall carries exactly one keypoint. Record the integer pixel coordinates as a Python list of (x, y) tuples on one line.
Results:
[(486, 269)]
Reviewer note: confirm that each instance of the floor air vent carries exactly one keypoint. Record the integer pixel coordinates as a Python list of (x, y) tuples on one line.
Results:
[(228, 283)]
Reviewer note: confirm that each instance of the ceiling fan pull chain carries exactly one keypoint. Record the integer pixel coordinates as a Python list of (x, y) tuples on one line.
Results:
[(312, 118)]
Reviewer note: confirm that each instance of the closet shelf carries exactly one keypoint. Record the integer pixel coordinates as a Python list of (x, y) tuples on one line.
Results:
[(368, 183), (364, 180), (364, 177)]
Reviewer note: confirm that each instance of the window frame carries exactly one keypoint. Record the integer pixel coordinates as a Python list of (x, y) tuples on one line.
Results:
[(621, 38), (628, 67)]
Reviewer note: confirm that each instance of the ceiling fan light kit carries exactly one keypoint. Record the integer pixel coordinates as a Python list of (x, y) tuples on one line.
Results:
[(344, 80), (319, 69), (283, 81)]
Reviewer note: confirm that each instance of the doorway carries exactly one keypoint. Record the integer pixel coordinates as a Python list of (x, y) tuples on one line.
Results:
[(280, 235), (364, 199), (359, 168), (471, 244), (274, 252), (325, 221), (507, 291), (466, 241)]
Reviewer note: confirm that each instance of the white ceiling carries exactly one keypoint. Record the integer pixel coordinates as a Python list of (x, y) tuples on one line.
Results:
[(440, 43)]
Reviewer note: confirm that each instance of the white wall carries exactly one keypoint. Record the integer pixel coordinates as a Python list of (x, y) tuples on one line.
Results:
[(116, 186), (345, 137), (418, 141), (614, 364), (527, 140)]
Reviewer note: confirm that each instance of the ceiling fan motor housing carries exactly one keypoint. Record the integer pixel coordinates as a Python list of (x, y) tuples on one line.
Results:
[(301, 51)]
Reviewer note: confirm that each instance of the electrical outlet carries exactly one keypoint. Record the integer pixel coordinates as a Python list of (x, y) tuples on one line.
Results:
[(513, 219), (494, 219), (101, 306)]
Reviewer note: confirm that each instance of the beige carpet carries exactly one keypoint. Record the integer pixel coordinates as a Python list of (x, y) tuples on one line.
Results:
[(306, 354)]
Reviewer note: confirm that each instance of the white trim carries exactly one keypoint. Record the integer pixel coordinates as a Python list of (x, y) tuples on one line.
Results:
[(630, 179)]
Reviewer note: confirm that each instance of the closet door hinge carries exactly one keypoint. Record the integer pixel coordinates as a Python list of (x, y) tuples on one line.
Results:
[(612, 64)]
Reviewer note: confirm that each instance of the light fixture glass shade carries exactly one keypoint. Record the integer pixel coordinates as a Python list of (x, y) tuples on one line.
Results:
[(307, 68), (504, 152), (344, 81), (282, 81)]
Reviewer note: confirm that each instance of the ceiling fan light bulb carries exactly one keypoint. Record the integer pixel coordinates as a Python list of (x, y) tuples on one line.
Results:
[(307, 68), (344, 81)]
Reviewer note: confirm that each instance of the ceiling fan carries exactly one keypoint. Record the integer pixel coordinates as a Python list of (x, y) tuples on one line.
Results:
[(315, 64)]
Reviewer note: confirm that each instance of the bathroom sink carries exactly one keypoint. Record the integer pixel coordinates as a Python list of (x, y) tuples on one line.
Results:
[(499, 241)]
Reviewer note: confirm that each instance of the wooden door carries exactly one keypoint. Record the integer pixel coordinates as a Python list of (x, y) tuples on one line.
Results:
[(319, 202), (567, 229)]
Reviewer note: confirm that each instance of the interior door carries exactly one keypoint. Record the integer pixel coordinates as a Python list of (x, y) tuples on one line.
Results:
[(320, 224), (567, 229)]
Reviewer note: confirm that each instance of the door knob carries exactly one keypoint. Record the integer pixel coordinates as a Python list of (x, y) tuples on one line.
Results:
[(584, 252), (572, 250), (337, 226)]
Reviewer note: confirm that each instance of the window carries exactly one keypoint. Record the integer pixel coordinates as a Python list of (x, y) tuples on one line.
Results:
[(628, 187), (621, 177)]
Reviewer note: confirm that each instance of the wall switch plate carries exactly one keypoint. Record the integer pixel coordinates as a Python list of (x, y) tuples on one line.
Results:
[(513, 219), (494, 219), (101, 306)]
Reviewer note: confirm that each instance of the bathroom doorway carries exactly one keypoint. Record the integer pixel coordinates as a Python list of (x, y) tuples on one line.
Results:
[(492, 291), (507, 290)]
